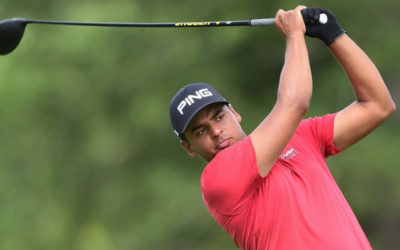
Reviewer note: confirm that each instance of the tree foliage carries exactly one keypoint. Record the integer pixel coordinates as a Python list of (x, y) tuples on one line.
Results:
[(88, 159)]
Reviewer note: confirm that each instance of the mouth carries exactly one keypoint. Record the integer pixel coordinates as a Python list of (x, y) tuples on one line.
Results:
[(224, 143)]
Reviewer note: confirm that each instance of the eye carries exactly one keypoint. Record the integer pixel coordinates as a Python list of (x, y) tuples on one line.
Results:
[(201, 131), (219, 118)]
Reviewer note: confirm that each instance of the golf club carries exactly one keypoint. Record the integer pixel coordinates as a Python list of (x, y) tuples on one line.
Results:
[(12, 30)]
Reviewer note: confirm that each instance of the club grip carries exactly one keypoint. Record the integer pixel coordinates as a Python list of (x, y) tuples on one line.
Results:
[(323, 19), (262, 22)]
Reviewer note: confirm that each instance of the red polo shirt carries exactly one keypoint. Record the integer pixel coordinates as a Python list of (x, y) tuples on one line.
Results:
[(298, 205)]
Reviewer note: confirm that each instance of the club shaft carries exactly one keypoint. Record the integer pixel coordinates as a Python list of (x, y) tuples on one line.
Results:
[(253, 22)]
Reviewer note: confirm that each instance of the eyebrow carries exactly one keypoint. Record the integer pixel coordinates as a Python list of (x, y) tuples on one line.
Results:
[(215, 114)]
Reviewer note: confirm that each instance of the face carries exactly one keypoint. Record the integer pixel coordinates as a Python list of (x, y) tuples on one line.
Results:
[(213, 129)]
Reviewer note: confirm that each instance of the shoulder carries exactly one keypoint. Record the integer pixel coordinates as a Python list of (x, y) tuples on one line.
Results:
[(325, 120), (320, 131), (241, 152), (231, 177), (242, 149), (233, 165), (317, 126)]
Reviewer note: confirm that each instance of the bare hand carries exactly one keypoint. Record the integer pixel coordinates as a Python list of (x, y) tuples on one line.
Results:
[(290, 23)]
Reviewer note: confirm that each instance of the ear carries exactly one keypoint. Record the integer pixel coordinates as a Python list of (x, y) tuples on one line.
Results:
[(188, 148), (237, 115)]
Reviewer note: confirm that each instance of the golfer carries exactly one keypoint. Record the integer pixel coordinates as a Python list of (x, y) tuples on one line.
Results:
[(272, 189)]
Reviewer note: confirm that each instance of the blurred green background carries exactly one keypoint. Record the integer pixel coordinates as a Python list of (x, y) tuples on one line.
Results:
[(88, 160)]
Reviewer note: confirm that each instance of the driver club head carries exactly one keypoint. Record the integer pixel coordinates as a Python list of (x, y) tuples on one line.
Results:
[(11, 32)]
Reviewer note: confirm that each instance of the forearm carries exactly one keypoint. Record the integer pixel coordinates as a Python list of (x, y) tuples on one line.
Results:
[(294, 92), (295, 85), (366, 80)]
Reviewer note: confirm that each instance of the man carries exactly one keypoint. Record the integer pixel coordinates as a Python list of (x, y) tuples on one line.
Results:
[(272, 189)]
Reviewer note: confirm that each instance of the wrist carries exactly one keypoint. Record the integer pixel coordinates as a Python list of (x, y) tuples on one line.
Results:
[(340, 39), (295, 36)]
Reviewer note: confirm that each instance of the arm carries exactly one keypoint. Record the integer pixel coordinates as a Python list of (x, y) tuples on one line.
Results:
[(294, 93), (374, 103)]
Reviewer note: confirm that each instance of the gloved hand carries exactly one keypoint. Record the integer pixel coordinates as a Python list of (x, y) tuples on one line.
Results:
[(327, 32)]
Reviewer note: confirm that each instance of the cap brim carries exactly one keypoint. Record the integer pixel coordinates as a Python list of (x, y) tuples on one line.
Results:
[(195, 113)]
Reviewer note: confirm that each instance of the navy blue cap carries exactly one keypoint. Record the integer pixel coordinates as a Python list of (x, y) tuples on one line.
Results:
[(188, 102)]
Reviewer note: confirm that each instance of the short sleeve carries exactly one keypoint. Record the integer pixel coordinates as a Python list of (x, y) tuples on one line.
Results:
[(231, 178), (321, 129)]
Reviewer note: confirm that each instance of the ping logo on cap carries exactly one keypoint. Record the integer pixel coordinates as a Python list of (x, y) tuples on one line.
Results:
[(190, 99)]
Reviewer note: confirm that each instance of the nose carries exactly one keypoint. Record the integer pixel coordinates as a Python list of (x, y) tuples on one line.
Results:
[(216, 130)]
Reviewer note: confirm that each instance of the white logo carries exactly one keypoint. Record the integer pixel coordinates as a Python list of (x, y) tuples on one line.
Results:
[(288, 155), (190, 99)]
